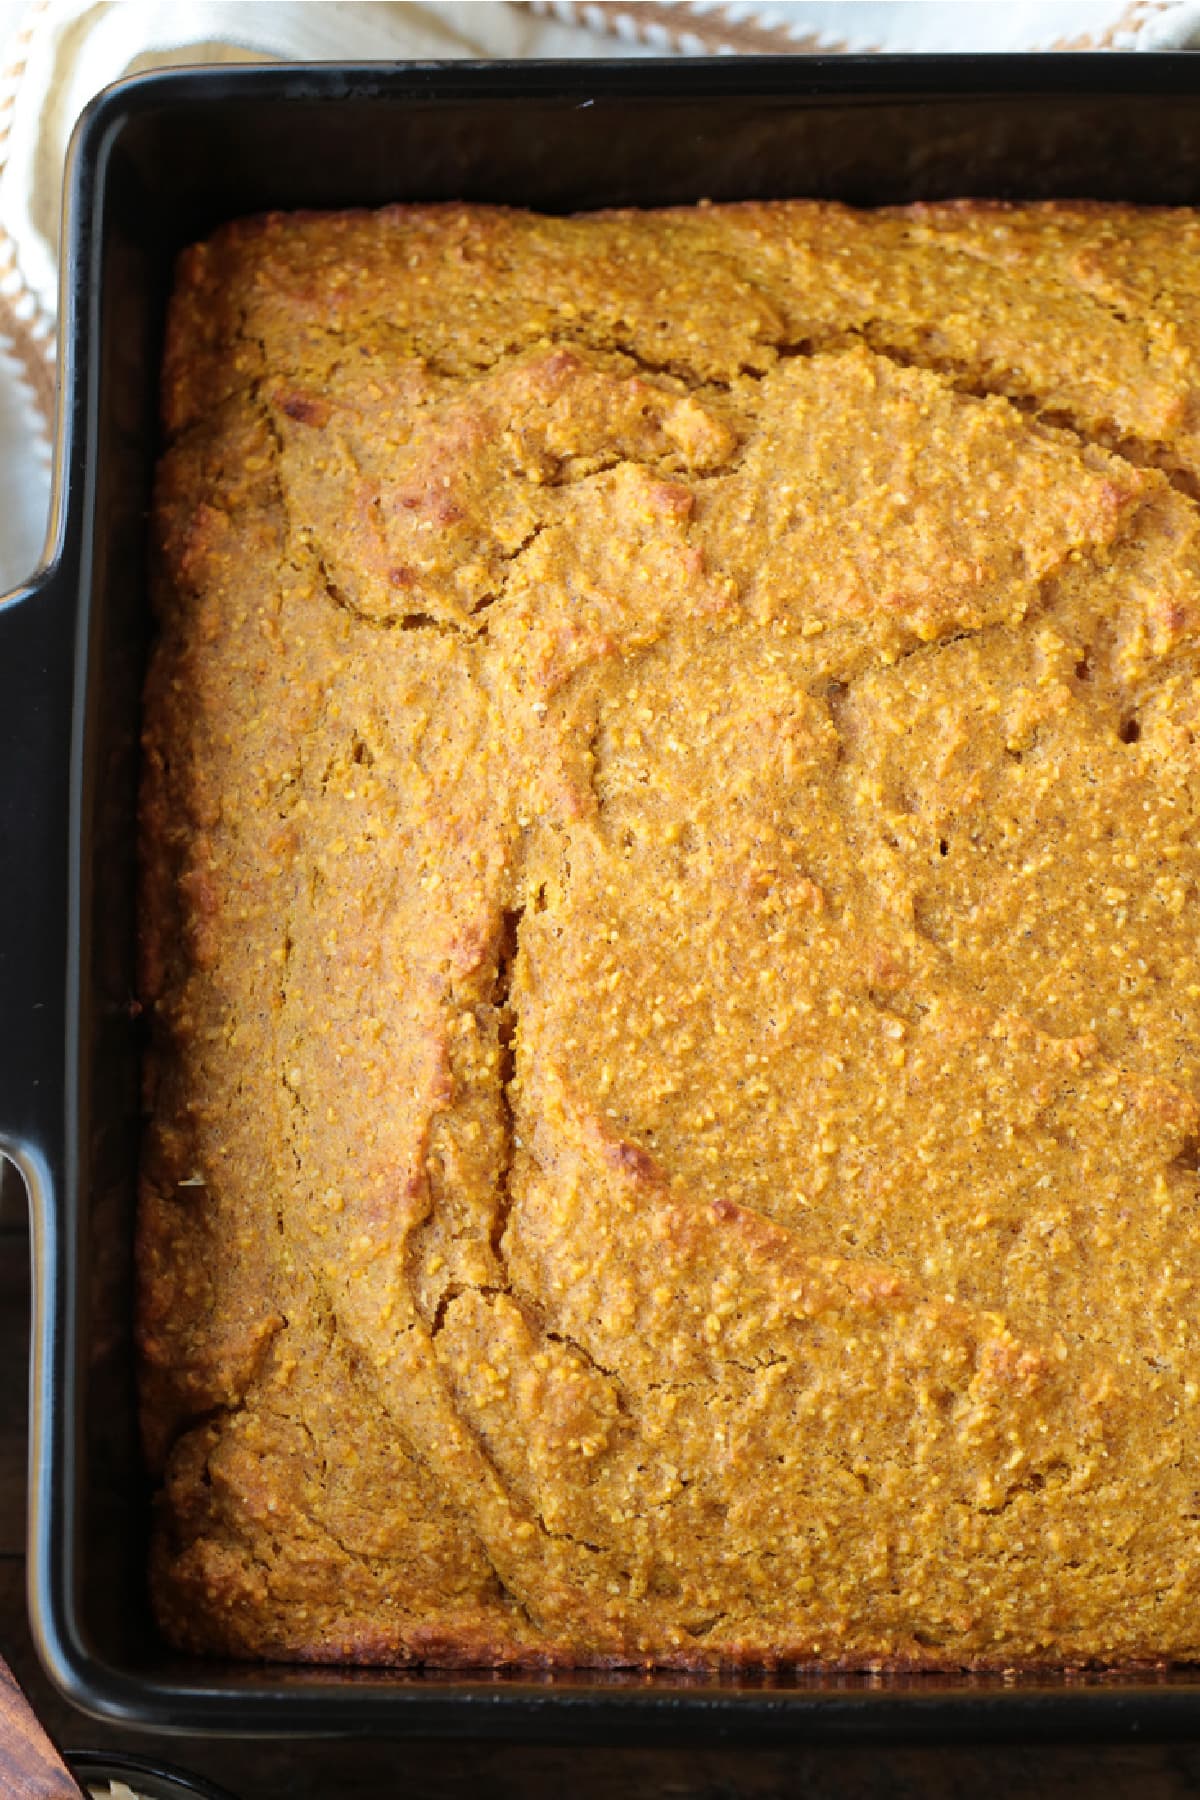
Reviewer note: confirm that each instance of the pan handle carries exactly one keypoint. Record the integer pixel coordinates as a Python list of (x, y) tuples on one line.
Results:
[(37, 656)]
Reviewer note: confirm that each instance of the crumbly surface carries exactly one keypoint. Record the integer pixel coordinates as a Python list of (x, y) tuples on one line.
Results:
[(671, 857)]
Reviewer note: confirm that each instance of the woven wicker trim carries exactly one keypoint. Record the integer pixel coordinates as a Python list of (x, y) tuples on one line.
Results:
[(1128, 25), (27, 330), (683, 28), (679, 26)]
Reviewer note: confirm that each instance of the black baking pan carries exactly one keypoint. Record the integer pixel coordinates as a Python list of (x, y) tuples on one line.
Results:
[(156, 163)]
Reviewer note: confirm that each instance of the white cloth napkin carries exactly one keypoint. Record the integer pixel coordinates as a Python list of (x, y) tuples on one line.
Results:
[(55, 54)]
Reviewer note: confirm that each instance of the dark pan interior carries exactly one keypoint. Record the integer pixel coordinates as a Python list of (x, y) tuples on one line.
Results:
[(162, 162)]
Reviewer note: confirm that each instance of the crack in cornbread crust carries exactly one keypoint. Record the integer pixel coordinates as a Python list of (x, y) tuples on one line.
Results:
[(647, 1160)]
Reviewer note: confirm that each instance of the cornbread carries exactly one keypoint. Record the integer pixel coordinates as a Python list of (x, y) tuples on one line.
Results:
[(670, 879)]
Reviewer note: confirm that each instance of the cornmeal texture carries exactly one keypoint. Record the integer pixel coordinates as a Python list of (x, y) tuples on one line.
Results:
[(670, 883)]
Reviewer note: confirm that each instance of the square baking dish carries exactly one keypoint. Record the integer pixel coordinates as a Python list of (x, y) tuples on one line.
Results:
[(156, 163)]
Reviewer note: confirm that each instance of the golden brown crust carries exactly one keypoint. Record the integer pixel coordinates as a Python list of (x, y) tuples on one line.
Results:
[(669, 852)]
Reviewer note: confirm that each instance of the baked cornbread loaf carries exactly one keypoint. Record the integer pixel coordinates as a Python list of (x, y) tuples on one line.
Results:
[(672, 769)]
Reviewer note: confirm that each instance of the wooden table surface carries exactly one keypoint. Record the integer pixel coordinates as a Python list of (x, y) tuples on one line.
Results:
[(422, 1771)]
